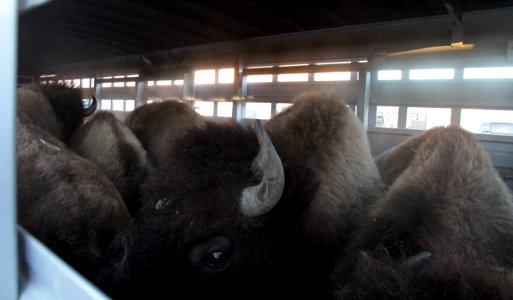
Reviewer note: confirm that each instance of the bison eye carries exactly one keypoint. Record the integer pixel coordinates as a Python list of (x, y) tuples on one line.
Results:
[(216, 259), (212, 256)]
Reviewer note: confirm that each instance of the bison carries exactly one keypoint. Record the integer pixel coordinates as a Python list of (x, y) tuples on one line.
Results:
[(158, 125), (443, 230), (231, 213), (110, 145), (63, 200)]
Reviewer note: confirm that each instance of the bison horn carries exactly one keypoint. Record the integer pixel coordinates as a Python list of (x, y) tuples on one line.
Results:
[(91, 109), (259, 199)]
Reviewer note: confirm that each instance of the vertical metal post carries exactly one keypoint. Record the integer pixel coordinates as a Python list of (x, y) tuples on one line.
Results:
[(364, 97), (8, 240), (141, 93)]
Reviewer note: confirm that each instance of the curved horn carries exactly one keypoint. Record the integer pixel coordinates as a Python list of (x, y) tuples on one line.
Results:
[(259, 199), (91, 109)]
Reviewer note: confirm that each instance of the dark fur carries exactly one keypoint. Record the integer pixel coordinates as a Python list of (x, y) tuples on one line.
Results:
[(201, 171), (158, 125), (63, 200), (447, 200), (202, 184), (56, 108), (110, 145)]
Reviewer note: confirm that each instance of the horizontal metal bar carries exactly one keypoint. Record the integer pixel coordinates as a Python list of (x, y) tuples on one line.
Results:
[(46, 276)]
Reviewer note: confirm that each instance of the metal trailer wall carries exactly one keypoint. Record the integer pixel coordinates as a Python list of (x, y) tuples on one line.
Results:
[(386, 45)]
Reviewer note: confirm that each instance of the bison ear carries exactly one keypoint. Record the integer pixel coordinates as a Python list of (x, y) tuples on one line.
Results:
[(301, 184)]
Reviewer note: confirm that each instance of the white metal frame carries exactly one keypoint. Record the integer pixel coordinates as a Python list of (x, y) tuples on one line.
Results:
[(8, 242)]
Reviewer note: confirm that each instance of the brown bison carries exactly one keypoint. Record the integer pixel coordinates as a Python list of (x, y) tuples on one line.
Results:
[(158, 125), (230, 213), (443, 230), (110, 145), (63, 200)]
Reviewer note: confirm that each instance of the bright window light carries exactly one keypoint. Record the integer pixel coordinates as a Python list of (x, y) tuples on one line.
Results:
[(333, 63), (92, 82), (226, 75), (178, 82), (258, 110), (129, 105), (423, 118), (106, 84), (118, 105), (387, 116), (151, 83), (132, 75), (68, 82), (389, 75), (299, 77), (332, 76), (76, 83), (431, 74), (281, 107), (487, 121), (259, 78), (164, 82), (204, 108), (259, 67), (106, 104), (224, 109), (292, 65), (205, 77), (130, 83), (107, 77), (488, 73), (119, 84), (86, 83)]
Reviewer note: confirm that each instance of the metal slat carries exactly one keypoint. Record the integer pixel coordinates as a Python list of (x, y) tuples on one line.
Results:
[(8, 242), (45, 276)]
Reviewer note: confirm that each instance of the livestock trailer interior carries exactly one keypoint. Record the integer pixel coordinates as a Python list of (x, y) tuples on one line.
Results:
[(401, 68)]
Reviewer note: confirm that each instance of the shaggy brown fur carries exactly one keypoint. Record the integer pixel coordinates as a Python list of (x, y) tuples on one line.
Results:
[(192, 211), (63, 200), (159, 125), (192, 204), (320, 130), (57, 109), (110, 145), (447, 200)]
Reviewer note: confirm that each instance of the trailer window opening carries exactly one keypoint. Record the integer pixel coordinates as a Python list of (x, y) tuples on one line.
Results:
[(205, 76), (332, 76), (299, 77), (225, 109), (226, 75), (260, 78), (390, 75), (204, 108), (258, 110), (423, 118), (387, 116), (281, 107), (431, 74), (487, 121), (488, 73)]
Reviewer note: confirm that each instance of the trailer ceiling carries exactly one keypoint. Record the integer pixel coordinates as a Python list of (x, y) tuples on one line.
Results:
[(64, 31)]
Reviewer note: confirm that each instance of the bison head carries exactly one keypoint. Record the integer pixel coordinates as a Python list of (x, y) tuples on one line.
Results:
[(220, 220)]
